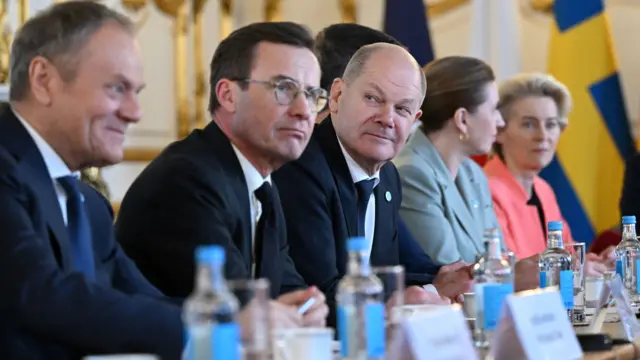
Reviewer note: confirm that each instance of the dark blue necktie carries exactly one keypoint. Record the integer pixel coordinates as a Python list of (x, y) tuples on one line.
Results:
[(78, 227), (364, 188)]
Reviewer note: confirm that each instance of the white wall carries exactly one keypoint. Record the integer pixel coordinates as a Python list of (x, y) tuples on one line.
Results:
[(450, 34)]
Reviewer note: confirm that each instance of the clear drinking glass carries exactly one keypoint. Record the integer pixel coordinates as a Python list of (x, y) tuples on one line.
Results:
[(254, 297), (578, 258), (392, 278)]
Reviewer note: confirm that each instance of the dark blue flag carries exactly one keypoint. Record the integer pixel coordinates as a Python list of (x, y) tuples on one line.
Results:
[(406, 20)]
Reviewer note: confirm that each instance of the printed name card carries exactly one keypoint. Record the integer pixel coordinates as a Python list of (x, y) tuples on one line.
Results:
[(438, 334), (535, 325)]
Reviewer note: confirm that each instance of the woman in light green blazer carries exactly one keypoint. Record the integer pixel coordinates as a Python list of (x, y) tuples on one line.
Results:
[(446, 201)]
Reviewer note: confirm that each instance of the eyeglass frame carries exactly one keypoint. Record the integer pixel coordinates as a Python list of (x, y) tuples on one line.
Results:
[(273, 84)]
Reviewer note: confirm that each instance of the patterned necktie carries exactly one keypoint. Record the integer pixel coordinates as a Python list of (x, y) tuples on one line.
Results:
[(364, 188), (78, 227)]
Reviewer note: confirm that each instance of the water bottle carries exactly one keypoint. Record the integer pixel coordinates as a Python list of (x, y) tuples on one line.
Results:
[(210, 312), (493, 282), (555, 266), (627, 260), (360, 307)]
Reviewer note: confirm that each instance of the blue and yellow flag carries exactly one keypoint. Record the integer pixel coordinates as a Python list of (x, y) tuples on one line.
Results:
[(587, 171), (406, 20)]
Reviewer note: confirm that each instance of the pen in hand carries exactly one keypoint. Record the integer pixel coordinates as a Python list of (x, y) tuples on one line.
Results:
[(308, 304)]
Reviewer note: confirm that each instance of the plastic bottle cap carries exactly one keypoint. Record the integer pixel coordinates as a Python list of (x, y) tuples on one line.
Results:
[(554, 226), (357, 244), (212, 254), (628, 220)]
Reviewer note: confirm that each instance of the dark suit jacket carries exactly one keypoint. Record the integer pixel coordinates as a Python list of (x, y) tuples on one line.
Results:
[(319, 200), (630, 199), (48, 311), (194, 193)]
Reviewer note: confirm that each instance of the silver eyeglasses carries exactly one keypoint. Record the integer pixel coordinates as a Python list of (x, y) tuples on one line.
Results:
[(286, 90)]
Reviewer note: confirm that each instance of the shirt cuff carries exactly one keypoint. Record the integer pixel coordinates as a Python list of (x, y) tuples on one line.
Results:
[(430, 287)]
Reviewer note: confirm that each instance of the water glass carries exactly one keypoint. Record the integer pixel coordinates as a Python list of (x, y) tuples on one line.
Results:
[(303, 343), (392, 278), (254, 297), (578, 258)]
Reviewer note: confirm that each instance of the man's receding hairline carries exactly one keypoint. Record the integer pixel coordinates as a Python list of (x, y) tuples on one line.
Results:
[(362, 57)]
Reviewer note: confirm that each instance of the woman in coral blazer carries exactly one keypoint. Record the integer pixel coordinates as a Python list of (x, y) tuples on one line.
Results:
[(535, 109)]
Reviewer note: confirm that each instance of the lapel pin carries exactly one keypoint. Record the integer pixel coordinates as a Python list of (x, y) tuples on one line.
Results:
[(387, 196), (475, 203)]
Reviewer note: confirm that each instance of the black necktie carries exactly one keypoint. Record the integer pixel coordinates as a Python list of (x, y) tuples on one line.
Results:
[(78, 227), (265, 229), (364, 188)]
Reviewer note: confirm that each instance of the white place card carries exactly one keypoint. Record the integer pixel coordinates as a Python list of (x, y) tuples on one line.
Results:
[(438, 334), (534, 325)]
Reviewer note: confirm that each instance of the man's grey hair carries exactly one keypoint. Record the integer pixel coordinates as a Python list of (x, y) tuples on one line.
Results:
[(359, 60), (59, 34)]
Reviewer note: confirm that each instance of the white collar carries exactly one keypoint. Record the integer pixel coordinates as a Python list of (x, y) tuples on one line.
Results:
[(357, 172), (55, 165), (251, 174)]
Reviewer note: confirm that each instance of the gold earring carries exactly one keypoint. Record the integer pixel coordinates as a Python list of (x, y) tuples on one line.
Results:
[(463, 136)]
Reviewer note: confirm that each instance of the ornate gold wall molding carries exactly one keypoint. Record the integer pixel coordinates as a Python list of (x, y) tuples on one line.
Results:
[(178, 11), (545, 6), (6, 37), (198, 62), (140, 9), (226, 18), (348, 11), (273, 10), (440, 7), (141, 154), (23, 11)]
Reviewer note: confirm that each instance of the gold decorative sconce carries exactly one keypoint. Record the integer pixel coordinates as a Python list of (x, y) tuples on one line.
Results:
[(177, 10)]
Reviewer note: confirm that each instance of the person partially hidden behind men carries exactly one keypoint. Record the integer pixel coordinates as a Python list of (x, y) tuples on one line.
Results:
[(214, 186), (67, 288)]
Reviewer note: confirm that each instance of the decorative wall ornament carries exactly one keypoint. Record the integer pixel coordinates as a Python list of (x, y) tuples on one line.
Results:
[(198, 62), (178, 11), (140, 9), (273, 10), (348, 10)]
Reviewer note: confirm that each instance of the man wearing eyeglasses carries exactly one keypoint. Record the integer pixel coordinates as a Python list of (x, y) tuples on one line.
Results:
[(214, 186)]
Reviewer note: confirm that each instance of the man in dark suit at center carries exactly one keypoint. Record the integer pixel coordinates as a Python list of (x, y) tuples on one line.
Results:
[(344, 185), (334, 47), (214, 186)]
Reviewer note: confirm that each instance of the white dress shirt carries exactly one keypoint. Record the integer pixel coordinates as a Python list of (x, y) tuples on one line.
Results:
[(254, 182), (358, 174), (55, 165)]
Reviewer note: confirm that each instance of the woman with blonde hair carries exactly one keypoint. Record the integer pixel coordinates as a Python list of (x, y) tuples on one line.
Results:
[(535, 109)]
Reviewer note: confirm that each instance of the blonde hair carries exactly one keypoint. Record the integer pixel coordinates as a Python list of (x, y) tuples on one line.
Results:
[(535, 84)]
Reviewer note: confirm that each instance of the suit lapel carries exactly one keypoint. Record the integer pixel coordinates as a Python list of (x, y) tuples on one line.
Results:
[(238, 184), (328, 140), (452, 191), (15, 138), (465, 206)]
